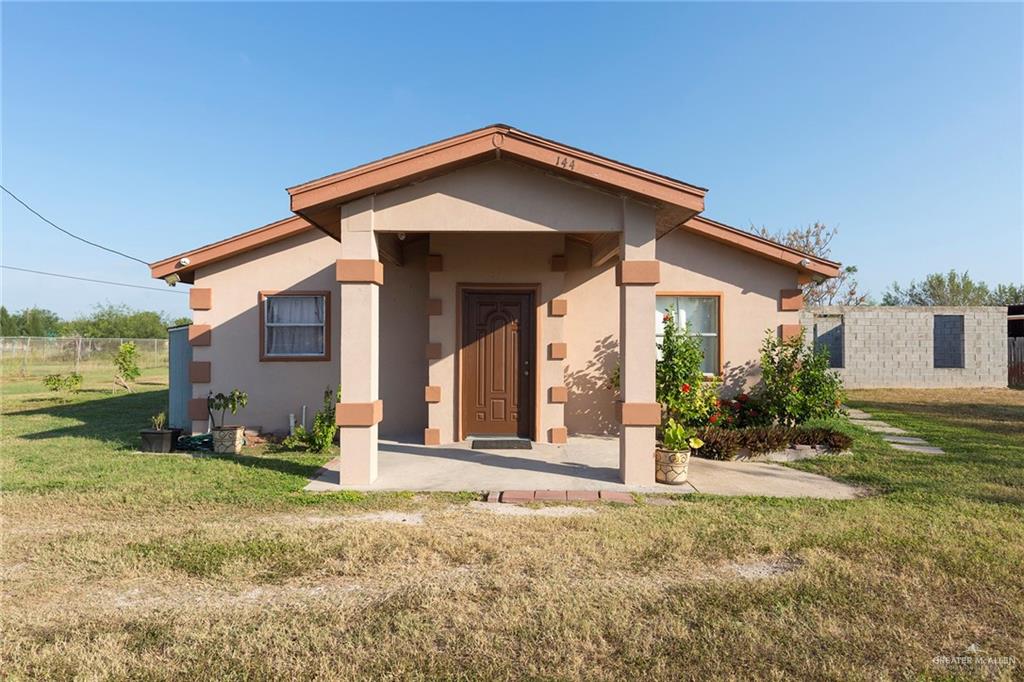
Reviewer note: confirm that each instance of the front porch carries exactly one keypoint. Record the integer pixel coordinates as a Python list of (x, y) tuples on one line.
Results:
[(583, 463)]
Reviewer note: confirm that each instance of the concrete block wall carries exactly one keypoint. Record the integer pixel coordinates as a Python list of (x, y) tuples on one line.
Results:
[(895, 347)]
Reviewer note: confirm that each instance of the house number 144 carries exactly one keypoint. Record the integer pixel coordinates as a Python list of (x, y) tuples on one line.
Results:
[(565, 162)]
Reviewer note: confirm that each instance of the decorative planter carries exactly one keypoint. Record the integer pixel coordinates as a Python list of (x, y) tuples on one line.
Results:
[(156, 441), (671, 466), (227, 440)]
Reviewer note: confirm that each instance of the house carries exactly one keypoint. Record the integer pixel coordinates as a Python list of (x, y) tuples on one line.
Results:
[(489, 283)]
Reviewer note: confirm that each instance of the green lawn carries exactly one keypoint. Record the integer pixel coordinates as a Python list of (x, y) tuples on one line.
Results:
[(118, 564)]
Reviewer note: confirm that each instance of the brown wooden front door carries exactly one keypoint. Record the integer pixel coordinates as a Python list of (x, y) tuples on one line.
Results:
[(497, 363)]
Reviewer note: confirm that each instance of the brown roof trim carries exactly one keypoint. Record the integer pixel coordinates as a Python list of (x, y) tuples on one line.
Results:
[(732, 236), (316, 198), (218, 251)]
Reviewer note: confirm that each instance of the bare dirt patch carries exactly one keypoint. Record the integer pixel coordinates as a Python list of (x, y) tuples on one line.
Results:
[(516, 510), (764, 568)]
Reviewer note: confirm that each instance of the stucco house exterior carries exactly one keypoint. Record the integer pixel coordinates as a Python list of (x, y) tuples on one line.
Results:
[(489, 283)]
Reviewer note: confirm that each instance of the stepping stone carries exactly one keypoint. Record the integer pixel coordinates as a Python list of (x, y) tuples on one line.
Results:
[(926, 449), (854, 413), (616, 496), (882, 427), (905, 440)]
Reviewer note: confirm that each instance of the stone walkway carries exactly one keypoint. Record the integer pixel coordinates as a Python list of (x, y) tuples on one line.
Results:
[(897, 438)]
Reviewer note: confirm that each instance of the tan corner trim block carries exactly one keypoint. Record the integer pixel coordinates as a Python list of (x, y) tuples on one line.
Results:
[(359, 414), (200, 335), (434, 351), (200, 299), (557, 351), (558, 394), (434, 307), (638, 273), (359, 271), (431, 436), (432, 394), (558, 435), (199, 372), (558, 263), (791, 299), (559, 307), (435, 263), (639, 414), (198, 411), (788, 331)]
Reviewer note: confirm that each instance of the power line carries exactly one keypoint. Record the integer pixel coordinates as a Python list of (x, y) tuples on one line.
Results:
[(96, 281), (70, 234)]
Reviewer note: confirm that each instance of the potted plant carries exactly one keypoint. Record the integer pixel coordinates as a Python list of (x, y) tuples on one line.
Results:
[(672, 459), (227, 440), (158, 438)]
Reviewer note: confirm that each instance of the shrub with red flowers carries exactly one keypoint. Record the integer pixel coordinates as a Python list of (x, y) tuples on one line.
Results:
[(685, 393), (743, 411)]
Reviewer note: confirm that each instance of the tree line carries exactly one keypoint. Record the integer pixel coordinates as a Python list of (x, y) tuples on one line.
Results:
[(937, 289), (105, 321)]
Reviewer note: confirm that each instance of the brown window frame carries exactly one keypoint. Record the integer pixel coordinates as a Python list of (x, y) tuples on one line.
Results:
[(261, 305)]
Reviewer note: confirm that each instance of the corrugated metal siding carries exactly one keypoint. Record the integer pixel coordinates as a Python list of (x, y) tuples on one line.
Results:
[(180, 389)]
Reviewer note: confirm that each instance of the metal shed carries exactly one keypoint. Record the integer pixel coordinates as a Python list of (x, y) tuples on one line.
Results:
[(179, 354)]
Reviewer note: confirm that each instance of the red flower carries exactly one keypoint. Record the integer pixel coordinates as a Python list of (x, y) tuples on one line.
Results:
[(742, 397), (685, 388), (713, 418), (666, 317)]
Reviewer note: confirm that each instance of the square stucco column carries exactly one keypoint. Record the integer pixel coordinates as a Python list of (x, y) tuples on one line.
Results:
[(638, 273), (360, 274)]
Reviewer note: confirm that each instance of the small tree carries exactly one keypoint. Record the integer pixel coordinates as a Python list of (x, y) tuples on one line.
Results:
[(687, 396), (64, 385), (233, 401), (796, 383), (126, 366)]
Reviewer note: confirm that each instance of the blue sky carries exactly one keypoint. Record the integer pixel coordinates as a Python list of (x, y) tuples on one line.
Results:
[(155, 128)]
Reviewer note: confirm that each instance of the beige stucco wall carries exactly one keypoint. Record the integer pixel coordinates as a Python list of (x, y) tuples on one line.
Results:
[(749, 288), (496, 223), (306, 262), (523, 259), (498, 196)]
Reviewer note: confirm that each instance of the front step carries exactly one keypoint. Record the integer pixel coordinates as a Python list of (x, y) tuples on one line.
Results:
[(500, 443)]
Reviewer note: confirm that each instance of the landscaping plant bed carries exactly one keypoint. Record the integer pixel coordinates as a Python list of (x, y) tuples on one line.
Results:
[(772, 443)]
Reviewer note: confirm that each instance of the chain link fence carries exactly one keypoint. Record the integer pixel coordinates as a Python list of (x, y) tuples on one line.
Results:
[(37, 356)]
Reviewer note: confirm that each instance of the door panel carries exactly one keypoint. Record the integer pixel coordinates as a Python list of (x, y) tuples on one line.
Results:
[(497, 359)]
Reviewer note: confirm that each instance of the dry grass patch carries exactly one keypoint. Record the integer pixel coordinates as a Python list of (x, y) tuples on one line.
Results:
[(118, 566)]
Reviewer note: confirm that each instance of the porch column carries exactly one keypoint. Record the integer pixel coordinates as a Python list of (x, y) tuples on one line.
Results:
[(638, 273), (360, 274)]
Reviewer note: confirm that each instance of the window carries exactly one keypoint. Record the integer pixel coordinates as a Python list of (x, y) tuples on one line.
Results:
[(948, 337), (702, 313), (828, 334), (295, 325)]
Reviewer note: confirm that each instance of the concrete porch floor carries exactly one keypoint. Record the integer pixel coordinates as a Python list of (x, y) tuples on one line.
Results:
[(584, 463)]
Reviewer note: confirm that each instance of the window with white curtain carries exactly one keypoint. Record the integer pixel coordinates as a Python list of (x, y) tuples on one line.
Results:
[(294, 325), (701, 313)]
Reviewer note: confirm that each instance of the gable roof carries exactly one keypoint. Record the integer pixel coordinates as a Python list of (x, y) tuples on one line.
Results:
[(226, 248), (282, 229), (318, 200)]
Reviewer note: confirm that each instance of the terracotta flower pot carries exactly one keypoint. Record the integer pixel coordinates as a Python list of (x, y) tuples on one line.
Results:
[(227, 440), (671, 466)]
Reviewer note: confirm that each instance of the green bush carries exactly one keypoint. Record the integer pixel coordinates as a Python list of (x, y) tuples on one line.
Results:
[(685, 394), (320, 438), (796, 383), (66, 385)]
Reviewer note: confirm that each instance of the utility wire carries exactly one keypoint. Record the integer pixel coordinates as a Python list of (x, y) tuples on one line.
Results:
[(70, 234), (166, 290)]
